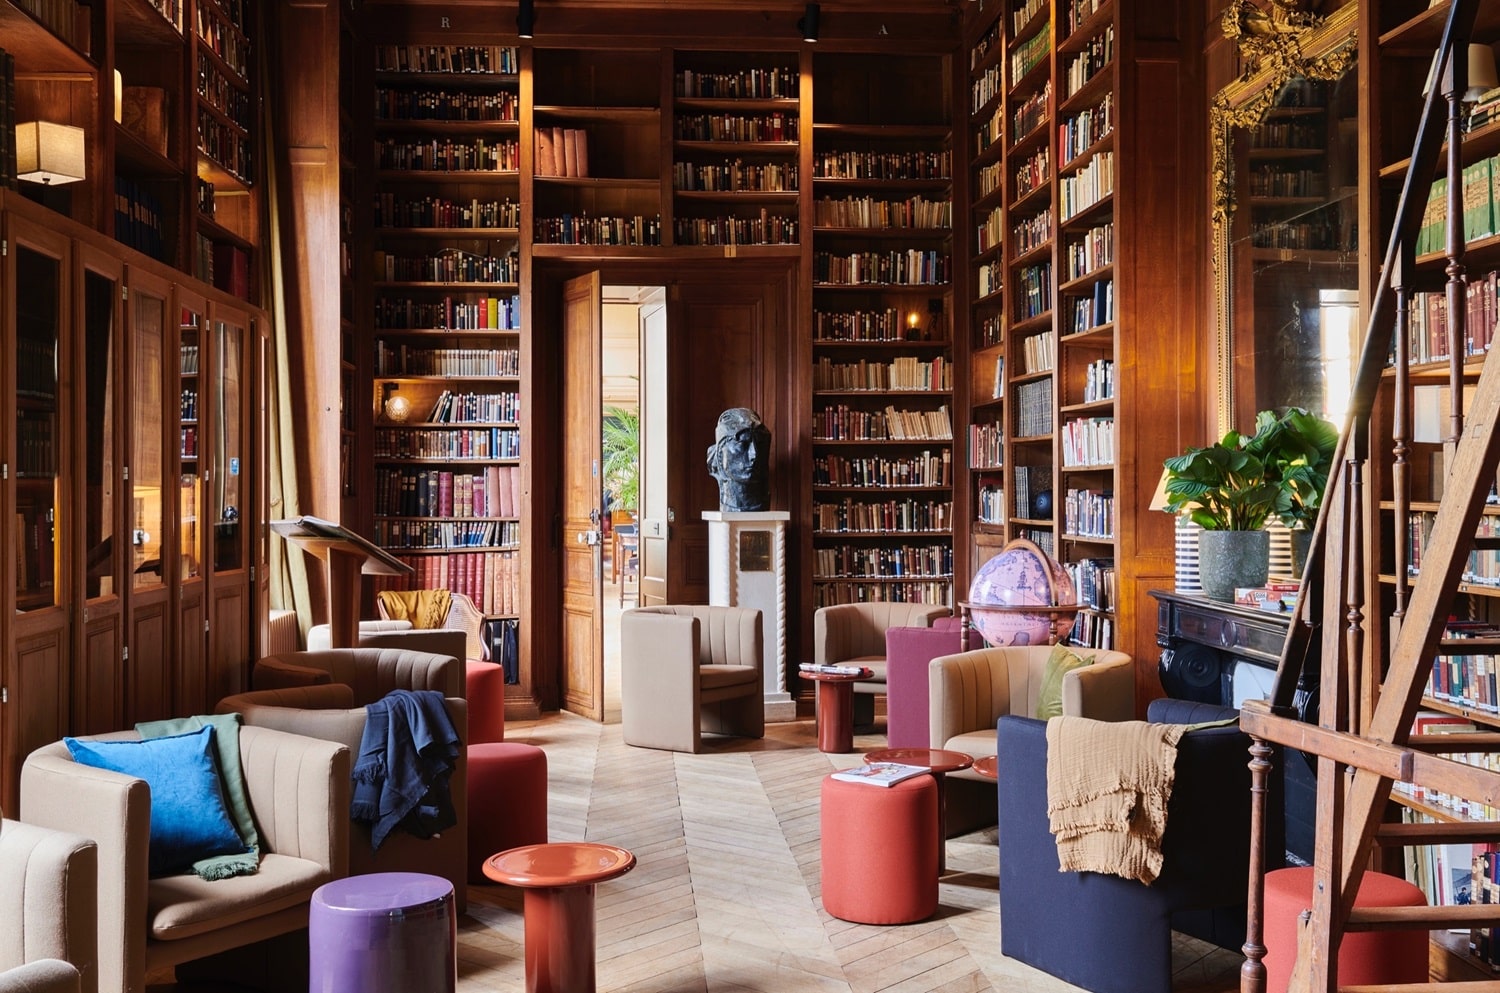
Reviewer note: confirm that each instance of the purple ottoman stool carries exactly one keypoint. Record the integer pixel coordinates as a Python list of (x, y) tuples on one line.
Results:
[(385, 932)]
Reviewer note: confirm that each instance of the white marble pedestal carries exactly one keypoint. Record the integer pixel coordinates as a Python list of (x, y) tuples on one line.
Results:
[(747, 568)]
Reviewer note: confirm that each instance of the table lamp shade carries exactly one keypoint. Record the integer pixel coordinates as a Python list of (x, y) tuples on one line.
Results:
[(1482, 74), (49, 153)]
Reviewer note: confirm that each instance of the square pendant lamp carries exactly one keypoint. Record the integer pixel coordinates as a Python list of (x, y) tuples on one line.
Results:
[(48, 153)]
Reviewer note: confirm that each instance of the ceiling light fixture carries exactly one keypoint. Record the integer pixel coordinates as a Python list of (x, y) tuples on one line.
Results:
[(526, 18), (808, 24)]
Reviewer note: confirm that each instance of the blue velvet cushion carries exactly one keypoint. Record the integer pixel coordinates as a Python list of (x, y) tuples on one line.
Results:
[(189, 820)]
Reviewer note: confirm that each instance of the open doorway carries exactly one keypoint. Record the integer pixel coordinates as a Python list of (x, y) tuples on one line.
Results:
[(629, 314)]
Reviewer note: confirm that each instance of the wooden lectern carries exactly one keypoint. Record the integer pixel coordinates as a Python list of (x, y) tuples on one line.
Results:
[(346, 556)]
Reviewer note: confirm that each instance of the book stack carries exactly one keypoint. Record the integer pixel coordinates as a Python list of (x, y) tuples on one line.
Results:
[(562, 152)]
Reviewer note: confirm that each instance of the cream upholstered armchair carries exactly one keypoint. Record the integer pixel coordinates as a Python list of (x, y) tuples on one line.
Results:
[(970, 691), (298, 790), (463, 615), (854, 634), (690, 669), (48, 910), (335, 711)]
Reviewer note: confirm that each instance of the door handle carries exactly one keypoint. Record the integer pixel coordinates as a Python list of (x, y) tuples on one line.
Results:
[(590, 538)]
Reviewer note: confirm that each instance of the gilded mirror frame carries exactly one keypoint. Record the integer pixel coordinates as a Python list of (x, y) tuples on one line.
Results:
[(1277, 43)]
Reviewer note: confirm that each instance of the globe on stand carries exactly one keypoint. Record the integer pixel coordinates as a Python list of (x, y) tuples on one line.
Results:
[(1022, 596)]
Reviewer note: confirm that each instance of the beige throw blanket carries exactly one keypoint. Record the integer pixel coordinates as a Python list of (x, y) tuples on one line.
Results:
[(1108, 783)]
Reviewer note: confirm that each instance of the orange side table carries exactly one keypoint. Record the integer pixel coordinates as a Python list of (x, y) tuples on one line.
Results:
[(559, 879), (940, 761), (835, 709)]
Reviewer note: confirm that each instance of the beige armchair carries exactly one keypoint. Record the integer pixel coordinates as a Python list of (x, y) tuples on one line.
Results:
[(687, 670), (336, 712), (854, 634), (48, 913), (298, 790), (968, 693), (463, 615)]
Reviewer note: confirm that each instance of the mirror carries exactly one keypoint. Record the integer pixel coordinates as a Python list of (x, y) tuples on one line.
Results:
[(1285, 189)]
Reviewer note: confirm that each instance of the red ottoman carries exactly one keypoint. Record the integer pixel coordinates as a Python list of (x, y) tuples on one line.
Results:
[(1365, 957), (880, 850), (484, 689), (507, 800)]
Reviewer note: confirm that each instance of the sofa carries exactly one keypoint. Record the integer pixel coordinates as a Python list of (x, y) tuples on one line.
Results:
[(1113, 935)]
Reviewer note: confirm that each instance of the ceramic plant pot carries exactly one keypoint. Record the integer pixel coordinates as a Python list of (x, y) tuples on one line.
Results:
[(1231, 559)]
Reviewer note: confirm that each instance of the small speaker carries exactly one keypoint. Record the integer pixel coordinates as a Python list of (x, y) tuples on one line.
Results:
[(1193, 672)]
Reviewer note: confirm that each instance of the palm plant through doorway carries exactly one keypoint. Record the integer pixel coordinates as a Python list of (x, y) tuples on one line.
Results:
[(622, 457)]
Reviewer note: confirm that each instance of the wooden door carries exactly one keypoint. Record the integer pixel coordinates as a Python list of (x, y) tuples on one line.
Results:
[(656, 396), (98, 492), (582, 499), (37, 595), (149, 568)]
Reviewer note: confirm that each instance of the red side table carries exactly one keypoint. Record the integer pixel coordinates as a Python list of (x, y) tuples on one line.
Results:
[(941, 761), (835, 709), (559, 879)]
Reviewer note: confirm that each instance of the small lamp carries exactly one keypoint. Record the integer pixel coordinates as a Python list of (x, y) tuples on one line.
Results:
[(51, 154), (397, 407), (808, 23), (1482, 75), (526, 18)]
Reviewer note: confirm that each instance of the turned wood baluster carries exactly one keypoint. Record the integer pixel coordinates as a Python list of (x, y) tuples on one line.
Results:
[(1253, 971), (1401, 428)]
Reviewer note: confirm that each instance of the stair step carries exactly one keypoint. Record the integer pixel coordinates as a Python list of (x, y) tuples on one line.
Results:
[(1488, 542), (1437, 833), (1467, 646), (1423, 918)]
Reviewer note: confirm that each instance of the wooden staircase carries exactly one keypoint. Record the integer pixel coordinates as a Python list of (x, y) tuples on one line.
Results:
[(1373, 667)]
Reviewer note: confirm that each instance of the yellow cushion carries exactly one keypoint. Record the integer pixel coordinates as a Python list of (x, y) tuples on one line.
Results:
[(1060, 662)]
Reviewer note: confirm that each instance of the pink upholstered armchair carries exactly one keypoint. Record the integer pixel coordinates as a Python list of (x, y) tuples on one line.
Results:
[(907, 652), (854, 634)]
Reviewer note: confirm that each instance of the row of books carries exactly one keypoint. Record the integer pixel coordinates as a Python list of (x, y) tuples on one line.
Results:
[(735, 176), (775, 83), (1033, 296), (1038, 353), (1030, 53), (562, 152), (491, 579), (448, 155), (139, 222), (840, 422), (986, 445), (1079, 133), (393, 211), (870, 212), (1480, 200), (928, 469), (1096, 309), (1099, 380), (1030, 113), (904, 373), (1091, 183), (1088, 441), (859, 325), (468, 313), (494, 492), (393, 104), (1432, 722), (1445, 873), (1429, 333), (466, 408), (447, 534), (1030, 482), (1466, 680), (1032, 172), (903, 561), (1031, 233), (1032, 416), (767, 229), (1094, 581), (447, 58), (863, 517), (403, 360), (1089, 513), (827, 594), (1092, 630), (448, 266), (447, 443), (912, 267), (865, 164), (1095, 58), (990, 504), (1483, 565), (581, 229), (736, 127), (1093, 251)]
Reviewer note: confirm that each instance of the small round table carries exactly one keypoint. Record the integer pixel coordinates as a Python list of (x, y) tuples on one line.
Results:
[(835, 709), (941, 761), (988, 766), (559, 879)]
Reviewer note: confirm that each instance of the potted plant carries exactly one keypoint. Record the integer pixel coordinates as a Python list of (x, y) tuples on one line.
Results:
[(1234, 486), (622, 457)]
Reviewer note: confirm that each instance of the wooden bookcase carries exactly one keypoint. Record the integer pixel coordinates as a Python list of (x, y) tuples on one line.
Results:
[(882, 256), (447, 401), (1081, 349)]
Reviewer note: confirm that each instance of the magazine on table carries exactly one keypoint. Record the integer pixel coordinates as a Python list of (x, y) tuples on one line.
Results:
[(880, 773)]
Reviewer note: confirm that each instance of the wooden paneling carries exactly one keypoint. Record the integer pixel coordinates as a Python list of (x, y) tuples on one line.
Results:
[(99, 687), (229, 644), (38, 690), (191, 658), (148, 675)]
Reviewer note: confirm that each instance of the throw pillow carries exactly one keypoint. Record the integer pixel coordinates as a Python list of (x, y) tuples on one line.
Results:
[(189, 820), (1059, 663)]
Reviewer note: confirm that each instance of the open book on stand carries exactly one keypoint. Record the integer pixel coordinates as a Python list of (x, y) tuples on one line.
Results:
[(880, 773)]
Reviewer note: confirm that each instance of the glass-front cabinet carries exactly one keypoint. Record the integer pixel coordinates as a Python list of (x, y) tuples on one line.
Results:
[(228, 487), (192, 424)]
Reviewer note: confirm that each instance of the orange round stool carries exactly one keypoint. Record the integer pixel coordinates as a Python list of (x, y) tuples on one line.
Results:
[(484, 689), (507, 800), (880, 850), (1365, 957)]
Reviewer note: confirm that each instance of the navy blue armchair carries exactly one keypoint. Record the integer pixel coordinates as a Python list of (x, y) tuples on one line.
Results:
[(1113, 935)]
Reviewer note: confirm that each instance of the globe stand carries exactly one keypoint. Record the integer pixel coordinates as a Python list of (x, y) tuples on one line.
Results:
[(1062, 622)]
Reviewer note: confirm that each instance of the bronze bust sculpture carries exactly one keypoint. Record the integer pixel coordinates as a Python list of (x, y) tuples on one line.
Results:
[(739, 460)]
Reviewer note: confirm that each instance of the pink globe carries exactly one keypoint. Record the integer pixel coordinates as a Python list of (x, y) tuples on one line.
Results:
[(1021, 576)]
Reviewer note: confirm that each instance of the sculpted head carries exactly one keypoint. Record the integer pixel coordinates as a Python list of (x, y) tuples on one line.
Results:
[(739, 460)]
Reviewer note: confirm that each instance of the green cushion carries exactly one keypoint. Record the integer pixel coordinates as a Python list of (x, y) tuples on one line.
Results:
[(1059, 663)]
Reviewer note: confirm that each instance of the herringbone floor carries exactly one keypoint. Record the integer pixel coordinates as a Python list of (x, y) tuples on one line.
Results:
[(724, 896)]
